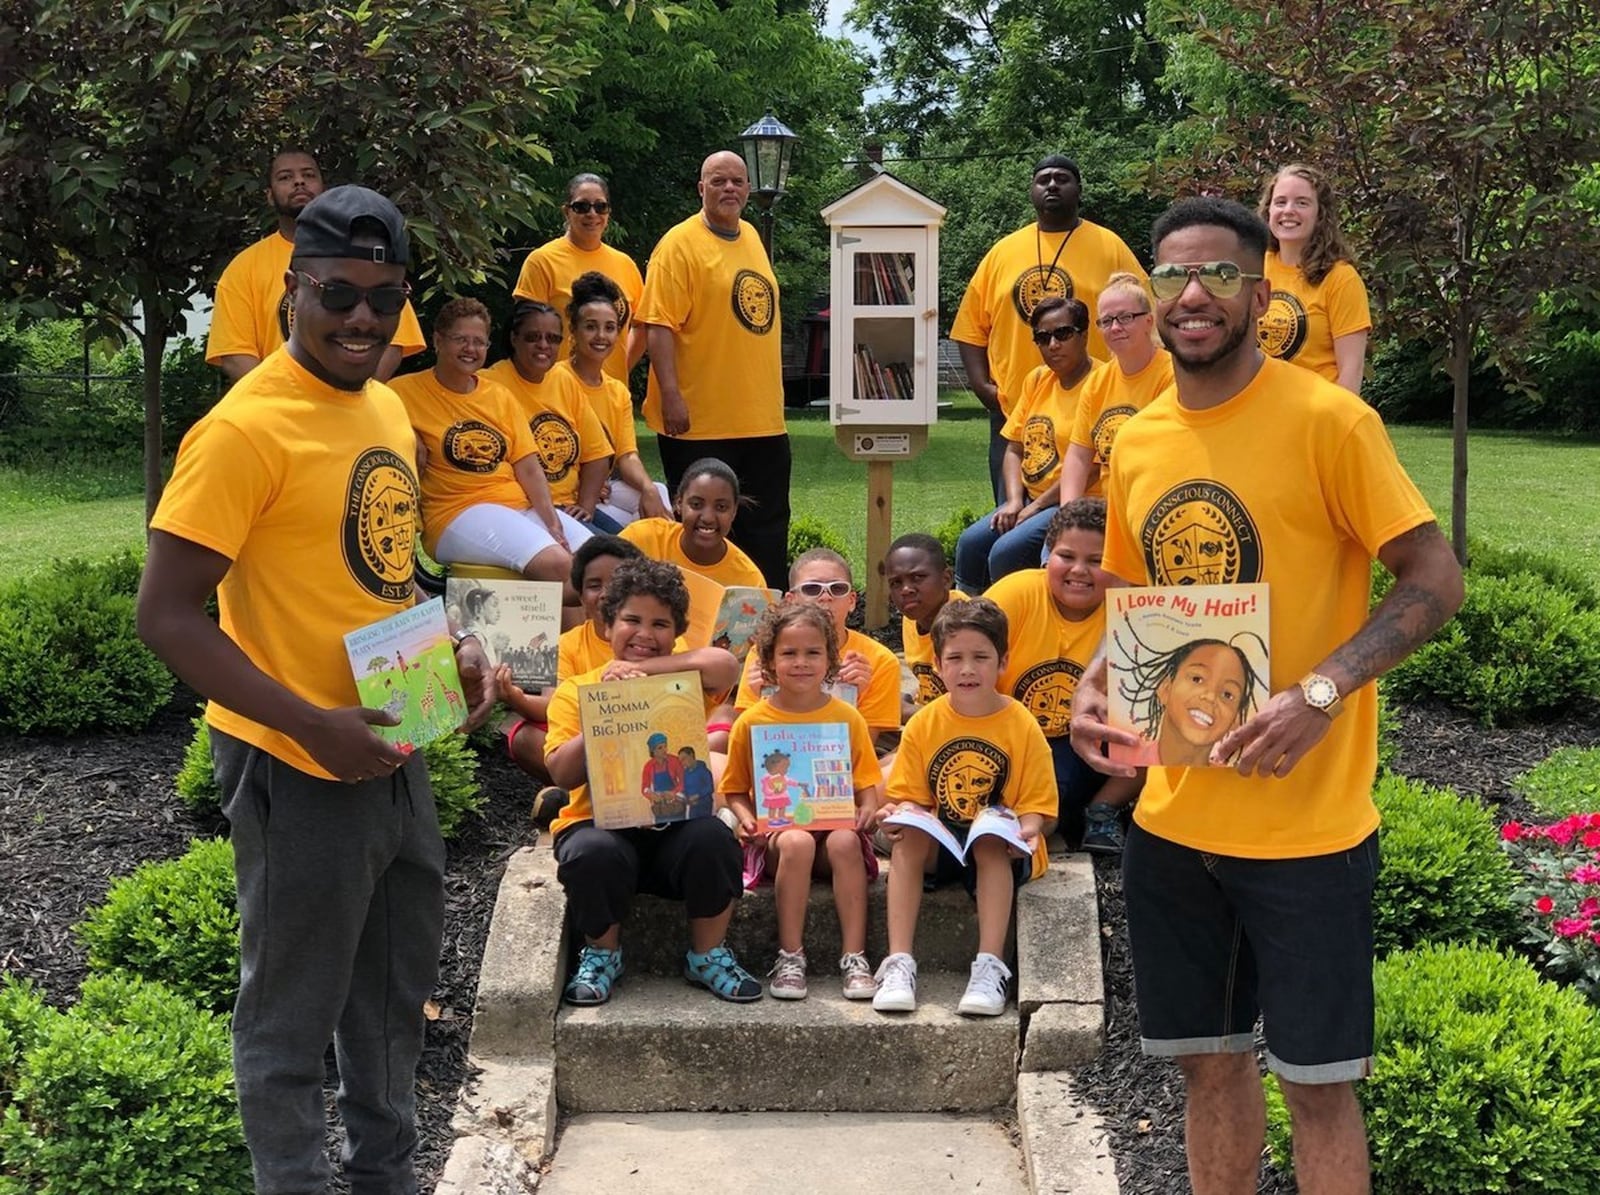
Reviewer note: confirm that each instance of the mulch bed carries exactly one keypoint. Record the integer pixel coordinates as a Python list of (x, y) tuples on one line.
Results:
[(76, 813)]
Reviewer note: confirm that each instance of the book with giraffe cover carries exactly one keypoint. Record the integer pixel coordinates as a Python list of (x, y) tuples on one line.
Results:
[(406, 665), (644, 744)]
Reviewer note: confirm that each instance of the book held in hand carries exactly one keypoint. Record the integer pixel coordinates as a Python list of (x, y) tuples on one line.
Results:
[(994, 821), (644, 744), (741, 609), (406, 666), (519, 623), (803, 776), (1186, 664)]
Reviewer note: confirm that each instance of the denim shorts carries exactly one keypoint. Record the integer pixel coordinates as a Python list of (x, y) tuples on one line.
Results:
[(1218, 941)]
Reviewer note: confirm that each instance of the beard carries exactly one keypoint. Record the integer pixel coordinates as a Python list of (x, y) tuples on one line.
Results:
[(292, 209), (1200, 362)]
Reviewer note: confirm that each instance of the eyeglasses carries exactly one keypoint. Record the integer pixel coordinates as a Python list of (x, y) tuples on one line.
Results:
[(341, 296), (815, 589), (540, 338), (584, 206), (1126, 318), (1221, 279), (467, 342), (1056, 334)]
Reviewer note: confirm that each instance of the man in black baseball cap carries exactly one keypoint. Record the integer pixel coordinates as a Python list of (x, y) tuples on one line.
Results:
[(295, 500)]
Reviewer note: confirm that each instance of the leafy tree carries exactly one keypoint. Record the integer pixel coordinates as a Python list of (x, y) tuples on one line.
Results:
[(134, 136), (1460, 135)]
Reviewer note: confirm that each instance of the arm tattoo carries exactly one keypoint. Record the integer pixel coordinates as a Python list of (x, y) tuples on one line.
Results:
[(1423, 599)]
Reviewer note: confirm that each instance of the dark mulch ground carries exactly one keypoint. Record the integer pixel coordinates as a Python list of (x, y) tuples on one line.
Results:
[(76, 813)]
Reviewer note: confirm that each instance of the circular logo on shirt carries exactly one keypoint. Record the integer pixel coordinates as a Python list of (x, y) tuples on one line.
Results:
[(285, 316), (930, 685), (754, 304), (624, 310), (473, 447), (966, 775), (556, 443), (1105, 431), (1047, 689), (1281, 332), (379, 532), (1039, 454), (1036, 284), (1199, 533)]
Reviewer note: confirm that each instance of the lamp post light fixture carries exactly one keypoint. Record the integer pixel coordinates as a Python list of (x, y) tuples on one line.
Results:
[(768, 146)]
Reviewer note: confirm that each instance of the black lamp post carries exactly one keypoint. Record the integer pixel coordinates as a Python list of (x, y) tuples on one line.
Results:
[(768, 145)]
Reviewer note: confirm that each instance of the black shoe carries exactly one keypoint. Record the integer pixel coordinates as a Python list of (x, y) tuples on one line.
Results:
[(547, 804), (1102, 830)]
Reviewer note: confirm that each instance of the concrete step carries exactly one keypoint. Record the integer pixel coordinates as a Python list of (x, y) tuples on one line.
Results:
[(661, 1045), (696, 1153), (654, 936)]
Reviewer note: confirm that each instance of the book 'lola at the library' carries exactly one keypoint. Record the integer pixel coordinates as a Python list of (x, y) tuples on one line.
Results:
[(995, 821), (644, 744), (406, 665), (1186, 665), (803, 776), (519, 623)]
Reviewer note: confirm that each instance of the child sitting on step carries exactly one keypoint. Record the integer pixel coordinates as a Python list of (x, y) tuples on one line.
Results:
[(919, 581), (963, 752), (798, 651)]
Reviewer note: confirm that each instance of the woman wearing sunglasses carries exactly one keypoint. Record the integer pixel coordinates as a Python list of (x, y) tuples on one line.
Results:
[(1037, 433), (548, 272), (1140, 370), (1318, 316), (485, 499)]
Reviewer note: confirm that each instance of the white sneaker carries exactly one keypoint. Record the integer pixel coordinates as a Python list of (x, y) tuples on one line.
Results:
[(788, 976), (897, 984), (986, 989)]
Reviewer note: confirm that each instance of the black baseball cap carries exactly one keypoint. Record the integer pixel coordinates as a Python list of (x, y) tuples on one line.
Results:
[(326, 226), (1059, 162)]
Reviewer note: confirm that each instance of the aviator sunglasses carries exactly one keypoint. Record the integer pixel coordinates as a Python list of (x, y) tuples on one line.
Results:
[(584, 206), (1221, 279), (341, 296)]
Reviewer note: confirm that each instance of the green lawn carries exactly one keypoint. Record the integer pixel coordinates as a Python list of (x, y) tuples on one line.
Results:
[(1536, 492)]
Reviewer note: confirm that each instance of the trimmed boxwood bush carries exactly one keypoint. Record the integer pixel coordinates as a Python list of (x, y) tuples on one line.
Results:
[(196, 780), (1443, 877), (949, 531), (176, 922), (129, 1090), (1486, 1078), (70, 659), (1518, 647), (808, 531), (1564, 783), (1388, 731)]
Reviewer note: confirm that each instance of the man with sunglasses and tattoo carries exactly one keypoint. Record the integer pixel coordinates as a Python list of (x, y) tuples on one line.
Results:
[(252, 312), (1060, 256), (295, 501), (1249, 883)]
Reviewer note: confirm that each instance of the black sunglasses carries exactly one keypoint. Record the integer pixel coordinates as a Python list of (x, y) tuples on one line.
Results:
[(584, 206), (1056, 334), (341, 296)]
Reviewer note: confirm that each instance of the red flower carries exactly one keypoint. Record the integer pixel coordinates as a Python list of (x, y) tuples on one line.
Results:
[(1591, 839), (1561, 832), (1571, 927), (1544, 904), (1511, 831), (1585, 873), (1589, 906)]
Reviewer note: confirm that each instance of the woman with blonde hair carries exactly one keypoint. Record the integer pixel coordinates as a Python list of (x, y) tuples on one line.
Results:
[(1318, 316), (1139, 370)]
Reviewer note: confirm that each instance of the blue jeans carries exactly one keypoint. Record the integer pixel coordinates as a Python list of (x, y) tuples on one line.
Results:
[(983, 555)]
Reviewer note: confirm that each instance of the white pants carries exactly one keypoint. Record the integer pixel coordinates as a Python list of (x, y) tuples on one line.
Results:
[(499, 535), (622, 507)]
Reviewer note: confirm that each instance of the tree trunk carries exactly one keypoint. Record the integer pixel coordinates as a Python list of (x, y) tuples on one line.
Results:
[(1460, 374), (154, 342)]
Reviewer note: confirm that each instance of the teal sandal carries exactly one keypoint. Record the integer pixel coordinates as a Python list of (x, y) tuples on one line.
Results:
[(720, 973), (597, 972)]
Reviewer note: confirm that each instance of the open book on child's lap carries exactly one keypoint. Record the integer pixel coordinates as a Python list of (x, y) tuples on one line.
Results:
[(406, 665), (995, 821), (1186, 665), (519, 623), (724, 615), (803, 776), (644, 744)]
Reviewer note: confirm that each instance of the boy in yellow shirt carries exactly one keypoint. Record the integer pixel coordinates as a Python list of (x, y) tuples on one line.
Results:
[(920, 580)]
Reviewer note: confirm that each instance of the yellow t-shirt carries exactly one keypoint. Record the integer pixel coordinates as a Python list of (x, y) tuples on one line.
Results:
[(1041, 421), (1048, 651), (720, 300), (613, 407), (1016, 274), (1293, 482), (918, 649), (1303, 321), (739, 774), (957, 765), (566, 432), (662, 539), (548, 273), (472, 440), (253, 313), (581, 649), (879, 703), (311, 492), (1109, 399)]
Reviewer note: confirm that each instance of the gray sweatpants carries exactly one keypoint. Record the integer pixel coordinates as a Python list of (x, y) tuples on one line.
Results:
[(341, 911)]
